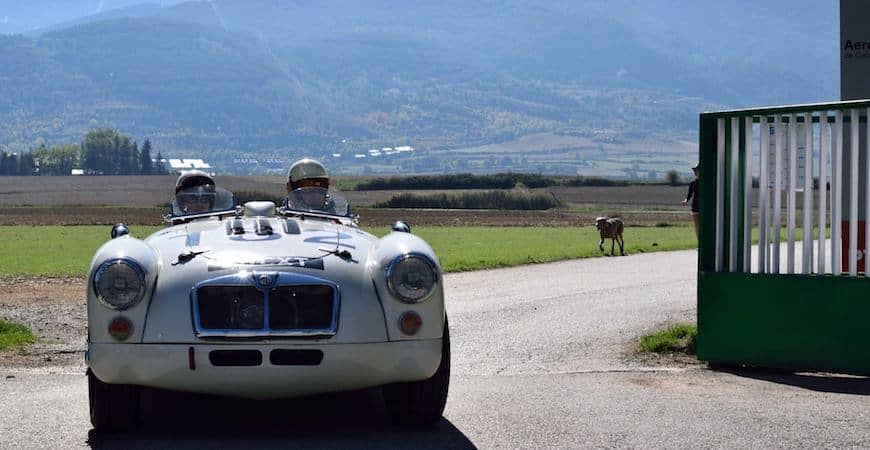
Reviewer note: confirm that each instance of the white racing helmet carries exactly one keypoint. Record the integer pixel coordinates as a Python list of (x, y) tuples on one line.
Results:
[(307, 169), (192, 178)]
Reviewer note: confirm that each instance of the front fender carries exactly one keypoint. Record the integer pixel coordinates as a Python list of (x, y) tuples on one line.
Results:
[(99, 315), (431, 310)]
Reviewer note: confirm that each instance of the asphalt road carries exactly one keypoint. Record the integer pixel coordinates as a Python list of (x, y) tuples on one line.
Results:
[(541, 360)]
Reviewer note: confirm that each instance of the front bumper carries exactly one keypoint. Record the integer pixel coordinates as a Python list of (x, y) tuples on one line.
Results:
[(344, 367)]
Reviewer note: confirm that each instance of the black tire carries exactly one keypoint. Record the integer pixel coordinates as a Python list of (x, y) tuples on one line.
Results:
[(421, 402), (114, 407)]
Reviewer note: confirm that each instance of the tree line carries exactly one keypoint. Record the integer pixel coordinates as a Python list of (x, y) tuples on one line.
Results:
[(471, 181), (102, 152)]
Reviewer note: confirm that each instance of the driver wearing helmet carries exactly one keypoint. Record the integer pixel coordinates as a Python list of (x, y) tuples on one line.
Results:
[(307, 187), (194, 192)]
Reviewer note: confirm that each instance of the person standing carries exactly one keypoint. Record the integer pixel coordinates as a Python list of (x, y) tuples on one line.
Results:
[(692, 196)]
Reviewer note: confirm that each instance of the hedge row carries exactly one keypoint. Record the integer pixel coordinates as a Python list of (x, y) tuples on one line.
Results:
[(517, 200), (471, 181)]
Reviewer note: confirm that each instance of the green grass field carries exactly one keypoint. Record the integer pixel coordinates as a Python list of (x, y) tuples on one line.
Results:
[(54, 250), (471, 248), (67, 250)]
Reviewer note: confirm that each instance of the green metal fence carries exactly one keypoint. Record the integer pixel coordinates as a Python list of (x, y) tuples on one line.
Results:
[(794, 302)]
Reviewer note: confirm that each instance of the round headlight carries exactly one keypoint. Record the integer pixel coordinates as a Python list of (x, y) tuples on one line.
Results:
[(119, 283), (412, 277)]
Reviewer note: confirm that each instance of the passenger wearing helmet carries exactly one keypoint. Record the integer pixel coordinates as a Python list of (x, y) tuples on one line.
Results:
[(194, 192), (308, 187)]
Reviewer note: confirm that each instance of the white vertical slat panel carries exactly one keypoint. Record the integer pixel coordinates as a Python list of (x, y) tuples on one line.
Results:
[(733, 202), (720, 190), (747, 195), (807, 266), (867, 194), (824, 148), (777, 192), (853, 193), (763, 196), (837, 192), (792, 188)]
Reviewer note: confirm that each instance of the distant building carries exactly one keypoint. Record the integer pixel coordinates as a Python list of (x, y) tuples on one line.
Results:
[(179, 166)]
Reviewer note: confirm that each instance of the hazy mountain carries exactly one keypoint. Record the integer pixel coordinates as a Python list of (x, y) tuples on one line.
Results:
[(270, 76), (19, 17)]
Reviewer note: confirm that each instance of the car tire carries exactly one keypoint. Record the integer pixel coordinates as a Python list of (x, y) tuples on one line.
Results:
[(114, 407), (421, 402)]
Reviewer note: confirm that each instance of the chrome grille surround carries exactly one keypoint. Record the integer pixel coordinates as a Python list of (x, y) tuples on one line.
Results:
[(264, 282)]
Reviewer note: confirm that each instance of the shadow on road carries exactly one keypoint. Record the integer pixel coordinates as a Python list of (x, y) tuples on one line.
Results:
[(838, 384), (341, 421)]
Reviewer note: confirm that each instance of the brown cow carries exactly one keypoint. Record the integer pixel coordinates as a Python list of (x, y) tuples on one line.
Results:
[(610, 228)]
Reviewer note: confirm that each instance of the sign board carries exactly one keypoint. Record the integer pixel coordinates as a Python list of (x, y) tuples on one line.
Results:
[(854, 49), (771, 157)]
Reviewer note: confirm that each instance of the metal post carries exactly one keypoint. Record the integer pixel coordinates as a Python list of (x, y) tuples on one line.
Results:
[(792, 187), (720, 191), (824, 149), (747, 194), (732, 198), (777, 191), (866, 194), (763, 196), (837, 194), (807, 266), (853, 194)]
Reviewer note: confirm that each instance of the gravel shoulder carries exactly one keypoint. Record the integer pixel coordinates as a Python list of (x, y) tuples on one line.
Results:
[(54, 309)]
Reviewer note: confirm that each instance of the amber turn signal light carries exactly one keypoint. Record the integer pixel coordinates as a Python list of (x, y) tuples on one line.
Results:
[(120, 328), (410, 323)]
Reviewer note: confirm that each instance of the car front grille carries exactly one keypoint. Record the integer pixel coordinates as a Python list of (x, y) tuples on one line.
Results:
[(284, 308), (300, 307)]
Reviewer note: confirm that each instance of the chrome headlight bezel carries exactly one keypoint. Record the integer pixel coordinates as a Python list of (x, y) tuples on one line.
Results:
[(101, 272), (401, 259)]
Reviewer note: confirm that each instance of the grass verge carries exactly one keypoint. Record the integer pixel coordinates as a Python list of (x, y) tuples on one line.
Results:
[(679, 338), (67, 250), (54, 250), (474, 248), (12, 334)]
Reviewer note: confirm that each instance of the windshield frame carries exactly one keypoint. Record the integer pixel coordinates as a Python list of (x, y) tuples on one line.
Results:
[(346, 218), (174, 217)]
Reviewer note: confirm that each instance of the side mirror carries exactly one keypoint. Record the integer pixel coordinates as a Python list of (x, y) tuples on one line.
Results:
[(120, 230), (401, 227)]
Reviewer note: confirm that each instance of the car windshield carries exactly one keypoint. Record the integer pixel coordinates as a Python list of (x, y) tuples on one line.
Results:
[(317, 200), (200, 200)]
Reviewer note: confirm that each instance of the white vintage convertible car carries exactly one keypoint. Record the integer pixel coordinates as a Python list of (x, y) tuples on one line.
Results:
[(262, 302)]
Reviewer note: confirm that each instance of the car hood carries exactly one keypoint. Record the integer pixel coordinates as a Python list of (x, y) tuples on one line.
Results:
[(210, 248), (251, 243)]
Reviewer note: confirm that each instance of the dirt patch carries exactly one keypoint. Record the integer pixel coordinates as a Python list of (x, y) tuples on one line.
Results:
[(54, 309)]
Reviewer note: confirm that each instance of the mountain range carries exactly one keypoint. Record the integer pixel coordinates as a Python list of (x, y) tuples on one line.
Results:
[(273, 79)]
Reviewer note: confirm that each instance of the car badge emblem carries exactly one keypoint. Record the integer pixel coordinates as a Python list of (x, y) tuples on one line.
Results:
[(265, 280)]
